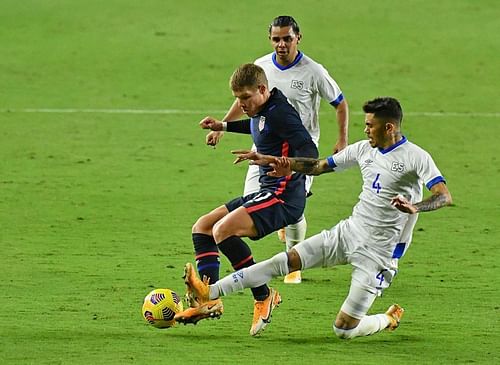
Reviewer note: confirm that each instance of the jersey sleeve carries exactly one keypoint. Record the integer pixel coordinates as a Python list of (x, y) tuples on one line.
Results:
[(428, 171), (328, 87), (346, 158)]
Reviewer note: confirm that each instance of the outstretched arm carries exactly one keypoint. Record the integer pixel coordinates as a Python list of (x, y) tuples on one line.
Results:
[(309, 166), (440, 197), (284, 166), (239, 126), (234, 113)]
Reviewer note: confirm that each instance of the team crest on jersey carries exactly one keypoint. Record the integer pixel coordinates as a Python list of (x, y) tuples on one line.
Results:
[(397, 166), (297, 84), (262, 123)]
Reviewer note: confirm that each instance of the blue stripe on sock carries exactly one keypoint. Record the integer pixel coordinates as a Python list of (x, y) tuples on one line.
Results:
[(208, 266)]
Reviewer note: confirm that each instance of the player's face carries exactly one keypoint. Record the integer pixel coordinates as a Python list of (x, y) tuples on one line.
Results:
[(251, 100), (284, 42), (376, 131)]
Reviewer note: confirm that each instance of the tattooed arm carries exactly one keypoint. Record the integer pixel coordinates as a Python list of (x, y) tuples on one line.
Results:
[(284, 166), (440, 197), (309, 166)]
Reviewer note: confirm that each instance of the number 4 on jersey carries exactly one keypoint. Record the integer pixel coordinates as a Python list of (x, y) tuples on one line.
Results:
[(376, 184)]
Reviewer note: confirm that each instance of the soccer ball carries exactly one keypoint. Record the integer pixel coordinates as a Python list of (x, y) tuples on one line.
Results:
[(160, 307)]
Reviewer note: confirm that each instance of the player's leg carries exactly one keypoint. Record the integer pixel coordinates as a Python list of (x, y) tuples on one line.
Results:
[(279, 265), (255, 275), (205, 248), (223, 231), (259, 216), (252, 184), (227, 234), (352, 321), (295, 233)]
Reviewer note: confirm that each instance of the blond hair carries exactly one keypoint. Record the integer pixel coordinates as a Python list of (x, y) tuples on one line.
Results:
[(247, 75)]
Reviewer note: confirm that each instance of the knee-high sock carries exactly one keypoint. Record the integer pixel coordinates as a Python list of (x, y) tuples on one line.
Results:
[(240, 256), (252, 276), (207, 256), (367, 326), (295, 233)]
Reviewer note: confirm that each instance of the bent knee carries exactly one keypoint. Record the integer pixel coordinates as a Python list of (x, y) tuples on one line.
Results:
[(220, 231), (294, 262), (345, 334), (345, 326), (202, 225)]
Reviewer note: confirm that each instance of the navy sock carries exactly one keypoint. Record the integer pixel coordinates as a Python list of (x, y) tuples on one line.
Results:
[(240, 256), (207, 256)]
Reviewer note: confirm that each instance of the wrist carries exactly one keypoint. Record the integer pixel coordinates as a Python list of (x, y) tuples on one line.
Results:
[(224, 126)]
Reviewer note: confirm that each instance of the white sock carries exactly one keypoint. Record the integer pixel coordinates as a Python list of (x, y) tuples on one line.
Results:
[(367, 326), (295, 233), (251, 277)]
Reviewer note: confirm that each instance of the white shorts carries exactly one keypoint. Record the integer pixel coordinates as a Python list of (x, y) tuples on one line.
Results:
[(344, 244)]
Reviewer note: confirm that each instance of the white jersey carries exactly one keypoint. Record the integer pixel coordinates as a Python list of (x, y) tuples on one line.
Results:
[(401, 169), (304, 82)]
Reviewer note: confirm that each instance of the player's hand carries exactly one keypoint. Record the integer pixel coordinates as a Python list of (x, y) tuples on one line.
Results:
[(339, 146), (255, 158), (281, 167), (214, 137), (211, 123), (401, 203)]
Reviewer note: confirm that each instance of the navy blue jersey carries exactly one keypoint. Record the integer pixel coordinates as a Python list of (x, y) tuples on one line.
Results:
[(277, 130)]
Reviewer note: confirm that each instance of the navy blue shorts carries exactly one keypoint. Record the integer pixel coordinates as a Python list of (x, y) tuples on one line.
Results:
[(268, 211)]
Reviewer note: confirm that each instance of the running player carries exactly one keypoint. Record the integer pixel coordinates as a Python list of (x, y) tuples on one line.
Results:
[(305, 83), (372, 239), (276, 129)]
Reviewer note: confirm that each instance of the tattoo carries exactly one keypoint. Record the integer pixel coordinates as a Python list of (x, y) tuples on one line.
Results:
[(432, 203), (308, 166)]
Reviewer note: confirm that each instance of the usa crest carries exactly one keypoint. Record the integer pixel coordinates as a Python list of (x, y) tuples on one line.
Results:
[(262, 123)]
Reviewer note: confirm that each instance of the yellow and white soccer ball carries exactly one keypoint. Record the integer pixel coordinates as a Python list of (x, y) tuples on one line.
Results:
[(160, 307)]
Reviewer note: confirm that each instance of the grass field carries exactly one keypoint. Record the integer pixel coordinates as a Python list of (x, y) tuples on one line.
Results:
[(96, 204)]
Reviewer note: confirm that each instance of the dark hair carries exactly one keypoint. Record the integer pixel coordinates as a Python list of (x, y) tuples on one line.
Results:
[(385, 108), (285, 21), (247, 75)]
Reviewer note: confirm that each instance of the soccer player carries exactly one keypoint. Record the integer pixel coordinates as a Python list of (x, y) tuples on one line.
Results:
[(372, 239), (276, 129), (304, 82)]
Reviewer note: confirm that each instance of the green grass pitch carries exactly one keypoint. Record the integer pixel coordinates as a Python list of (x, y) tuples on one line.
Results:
[(96, 207)]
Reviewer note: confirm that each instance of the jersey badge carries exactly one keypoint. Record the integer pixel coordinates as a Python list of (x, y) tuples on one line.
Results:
[(262, 123), (397, 166), (297, 84)]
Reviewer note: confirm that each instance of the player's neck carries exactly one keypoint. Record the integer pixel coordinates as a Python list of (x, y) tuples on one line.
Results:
[(267, 95), (289, 60), (392, 140)]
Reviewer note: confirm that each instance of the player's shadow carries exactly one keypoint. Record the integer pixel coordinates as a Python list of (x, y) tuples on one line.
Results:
[(297, 339)]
